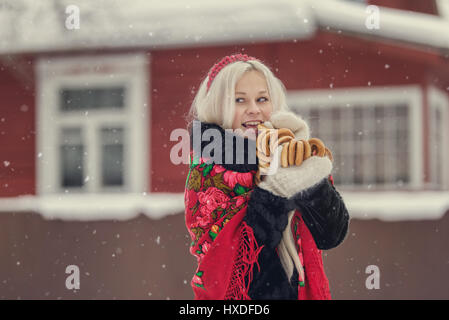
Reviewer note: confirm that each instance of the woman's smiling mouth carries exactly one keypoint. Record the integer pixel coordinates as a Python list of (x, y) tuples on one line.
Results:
[(252, 124)]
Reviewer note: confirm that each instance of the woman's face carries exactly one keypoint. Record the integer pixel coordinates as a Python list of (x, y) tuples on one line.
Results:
[(252, 101)]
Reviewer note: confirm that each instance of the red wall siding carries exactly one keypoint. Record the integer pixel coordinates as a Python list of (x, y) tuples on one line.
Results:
[(347, 61), (426, 6), (17, 126)]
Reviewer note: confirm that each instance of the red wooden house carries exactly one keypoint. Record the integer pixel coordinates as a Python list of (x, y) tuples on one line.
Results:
[(86, 115)]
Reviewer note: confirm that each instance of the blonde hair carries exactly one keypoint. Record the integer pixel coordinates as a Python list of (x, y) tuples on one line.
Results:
[(218, 104)]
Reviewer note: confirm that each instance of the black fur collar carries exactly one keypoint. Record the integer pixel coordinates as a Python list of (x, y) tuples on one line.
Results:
[(237, 153)]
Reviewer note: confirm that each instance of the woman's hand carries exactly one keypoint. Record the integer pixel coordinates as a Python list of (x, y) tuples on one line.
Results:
[(286, 182), (292, 121), (308, 189)]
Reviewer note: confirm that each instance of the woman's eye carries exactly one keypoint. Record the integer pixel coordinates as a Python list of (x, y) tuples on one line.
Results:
[(238, 99)]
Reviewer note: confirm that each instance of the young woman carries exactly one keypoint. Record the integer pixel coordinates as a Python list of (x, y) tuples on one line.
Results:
[(255, 241)]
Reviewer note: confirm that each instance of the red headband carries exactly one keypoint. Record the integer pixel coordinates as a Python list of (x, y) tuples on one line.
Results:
[(224, 62)]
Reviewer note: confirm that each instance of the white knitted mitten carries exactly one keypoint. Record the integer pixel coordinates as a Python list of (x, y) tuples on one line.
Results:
[(286, 182), (292, 121)]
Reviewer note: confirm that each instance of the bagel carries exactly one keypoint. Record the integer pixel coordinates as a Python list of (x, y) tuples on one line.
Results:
[(299, 152), (257, 178), (294, 152), (328, 154), (284, 156), (262, 142), (263, 159), (285, 132), (317, 147), (307, 150), (283, 140), (264, 165), (291, 152)]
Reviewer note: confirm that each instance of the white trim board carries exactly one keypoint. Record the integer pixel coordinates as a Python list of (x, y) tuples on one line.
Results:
[(386, 206), (397, 206), (438, 99), (91, 207)]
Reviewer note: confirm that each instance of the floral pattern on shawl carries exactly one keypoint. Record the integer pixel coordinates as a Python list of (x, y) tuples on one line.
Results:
[(213, 195)]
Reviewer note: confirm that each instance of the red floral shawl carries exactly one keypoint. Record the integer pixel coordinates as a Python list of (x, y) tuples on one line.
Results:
[(226, 250)]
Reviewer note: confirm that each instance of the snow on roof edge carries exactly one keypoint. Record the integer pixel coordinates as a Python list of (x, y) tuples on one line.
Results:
[(396, 24), (288, 19), (155, 25)]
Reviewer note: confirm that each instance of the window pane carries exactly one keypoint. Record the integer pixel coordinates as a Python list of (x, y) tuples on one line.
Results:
[(112, 156), (402, 117), (435, 146), (92, 99), (71, 150), (380, 168)]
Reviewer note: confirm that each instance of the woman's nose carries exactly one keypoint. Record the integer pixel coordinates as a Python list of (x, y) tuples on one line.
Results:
[(253, 108)]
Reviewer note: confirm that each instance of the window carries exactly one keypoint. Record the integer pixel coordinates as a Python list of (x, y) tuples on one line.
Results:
[(374, 134), (92, 125)]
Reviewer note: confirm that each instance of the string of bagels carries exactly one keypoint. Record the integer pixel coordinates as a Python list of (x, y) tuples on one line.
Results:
[(294, 151)]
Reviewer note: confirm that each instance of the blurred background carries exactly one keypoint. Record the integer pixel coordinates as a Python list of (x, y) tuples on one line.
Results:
[(91, 90)]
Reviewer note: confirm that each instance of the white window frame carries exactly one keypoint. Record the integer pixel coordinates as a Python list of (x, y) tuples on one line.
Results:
[(437, 99), (443, 9), (410, 95), (53, 73)]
